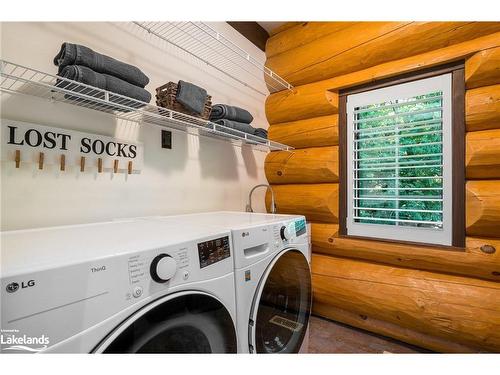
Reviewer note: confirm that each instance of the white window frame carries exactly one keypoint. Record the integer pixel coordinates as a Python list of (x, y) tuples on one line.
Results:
[(441, 236)]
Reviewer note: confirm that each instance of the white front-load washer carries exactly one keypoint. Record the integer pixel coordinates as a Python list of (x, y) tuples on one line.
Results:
[(118, 287), (272, 277)]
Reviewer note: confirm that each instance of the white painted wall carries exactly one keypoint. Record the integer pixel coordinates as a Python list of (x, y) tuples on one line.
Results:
[(198, 174)]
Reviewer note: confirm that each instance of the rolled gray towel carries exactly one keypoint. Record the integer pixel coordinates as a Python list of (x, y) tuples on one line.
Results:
[(241, 126), (228, 112), (192, 97), (75, 54), (115, 85), (260, 132)]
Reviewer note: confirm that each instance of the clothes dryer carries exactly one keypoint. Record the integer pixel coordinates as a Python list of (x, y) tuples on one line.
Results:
[(272, 277)]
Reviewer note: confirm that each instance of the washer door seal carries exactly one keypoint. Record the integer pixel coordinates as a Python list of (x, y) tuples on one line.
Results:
[(282, 305), (187, 322)]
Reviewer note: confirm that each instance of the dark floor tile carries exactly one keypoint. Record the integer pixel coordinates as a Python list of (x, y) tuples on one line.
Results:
[(326, 336)]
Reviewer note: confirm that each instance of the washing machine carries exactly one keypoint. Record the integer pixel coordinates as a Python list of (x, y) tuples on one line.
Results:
[(272, 277), (118, 287)]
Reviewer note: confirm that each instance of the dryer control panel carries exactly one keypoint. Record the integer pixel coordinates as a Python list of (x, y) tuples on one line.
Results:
[(255, 243)]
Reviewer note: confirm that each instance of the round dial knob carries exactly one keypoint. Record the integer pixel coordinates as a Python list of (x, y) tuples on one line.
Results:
[(285, 233), (163, 268)]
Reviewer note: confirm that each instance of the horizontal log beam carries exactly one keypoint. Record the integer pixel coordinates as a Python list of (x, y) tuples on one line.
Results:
[(483, 69), (395, 331), (301, 34), (454, 308), (482, 159), (472, 261), (338, 54), (317, 202), (483, 208), (303, 102), (321, 49), (313, 132), (303, 166), (482, 108), (288, 101), (410, 64)]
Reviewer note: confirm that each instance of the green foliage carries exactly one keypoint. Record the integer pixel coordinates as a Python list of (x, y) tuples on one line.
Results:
[(400, 138)]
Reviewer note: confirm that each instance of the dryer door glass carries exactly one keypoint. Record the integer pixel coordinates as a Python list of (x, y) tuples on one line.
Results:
[(193, 323), (284, 306)]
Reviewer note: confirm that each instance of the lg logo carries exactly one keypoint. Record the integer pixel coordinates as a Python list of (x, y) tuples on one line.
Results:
[(13, 287)]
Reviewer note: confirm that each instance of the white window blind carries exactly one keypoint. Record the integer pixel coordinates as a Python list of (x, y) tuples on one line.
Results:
[(399, 162)]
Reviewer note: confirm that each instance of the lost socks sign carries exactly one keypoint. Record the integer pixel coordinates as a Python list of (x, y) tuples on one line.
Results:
[(26, 141)]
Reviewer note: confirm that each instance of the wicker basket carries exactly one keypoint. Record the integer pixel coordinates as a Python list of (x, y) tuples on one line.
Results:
[(166, 98)]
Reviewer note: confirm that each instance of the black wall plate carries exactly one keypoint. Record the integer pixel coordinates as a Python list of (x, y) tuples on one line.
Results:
[(166, 139)]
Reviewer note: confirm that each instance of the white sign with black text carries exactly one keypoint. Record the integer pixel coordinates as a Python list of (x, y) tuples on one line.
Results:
[(45, 145)]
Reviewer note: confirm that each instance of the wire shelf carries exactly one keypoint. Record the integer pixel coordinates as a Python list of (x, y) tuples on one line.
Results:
[(206, 44), (18, 79)]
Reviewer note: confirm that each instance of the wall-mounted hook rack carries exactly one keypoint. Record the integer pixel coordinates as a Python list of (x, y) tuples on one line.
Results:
[(23, 142)]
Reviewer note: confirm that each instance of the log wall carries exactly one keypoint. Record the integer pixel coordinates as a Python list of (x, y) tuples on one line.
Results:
[(453, 308), (439, 298), (366, 44)]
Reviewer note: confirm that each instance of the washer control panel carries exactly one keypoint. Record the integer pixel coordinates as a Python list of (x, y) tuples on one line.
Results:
[(287, 232), (256, 242), (163, 268), (168, 267), (300, 227), (213, 251)]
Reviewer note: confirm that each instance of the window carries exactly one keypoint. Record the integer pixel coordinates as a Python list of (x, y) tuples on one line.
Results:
[(400, 161)]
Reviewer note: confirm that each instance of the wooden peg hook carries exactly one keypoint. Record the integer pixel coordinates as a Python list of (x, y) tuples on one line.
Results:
[(82, 164), (99, 165), (40, 160), (63, 162), (18, 158), (115, 166), (130, 167)]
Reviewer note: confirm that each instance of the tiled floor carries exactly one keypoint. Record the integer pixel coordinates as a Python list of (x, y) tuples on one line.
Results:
[(326, 336)]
